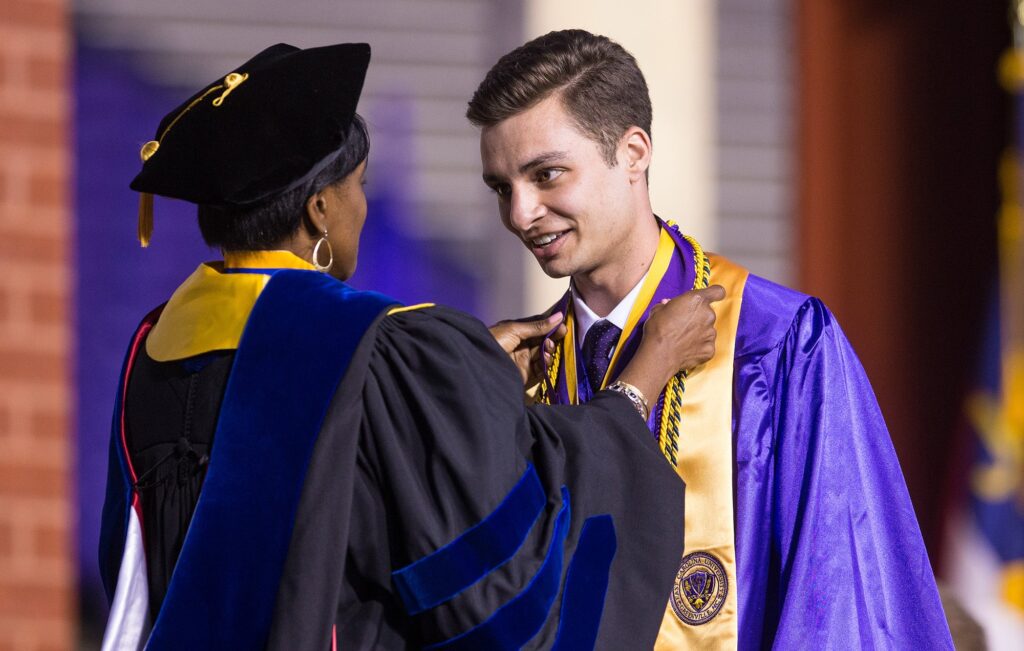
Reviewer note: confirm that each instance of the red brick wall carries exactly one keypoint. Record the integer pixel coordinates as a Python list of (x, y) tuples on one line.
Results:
[(37, 607)]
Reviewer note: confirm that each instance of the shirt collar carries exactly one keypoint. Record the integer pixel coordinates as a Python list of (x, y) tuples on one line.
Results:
[(586, 317)]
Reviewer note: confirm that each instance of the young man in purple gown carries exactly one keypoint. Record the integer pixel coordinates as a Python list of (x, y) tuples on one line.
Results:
[(799, 531)]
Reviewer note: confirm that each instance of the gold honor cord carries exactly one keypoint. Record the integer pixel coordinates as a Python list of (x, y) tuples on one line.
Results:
[(545, 394), (672, 406)]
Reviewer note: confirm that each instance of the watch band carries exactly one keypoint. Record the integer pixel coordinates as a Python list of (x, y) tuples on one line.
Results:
[(635, 396)]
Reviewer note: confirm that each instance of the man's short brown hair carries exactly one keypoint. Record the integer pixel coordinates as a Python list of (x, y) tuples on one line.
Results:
[(600, 85)]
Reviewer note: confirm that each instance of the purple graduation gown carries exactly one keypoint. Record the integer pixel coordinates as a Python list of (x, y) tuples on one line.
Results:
[(829, 552)]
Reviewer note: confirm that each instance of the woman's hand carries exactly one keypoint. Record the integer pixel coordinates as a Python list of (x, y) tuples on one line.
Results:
[(684, 327), (679, 335), (522, 341)]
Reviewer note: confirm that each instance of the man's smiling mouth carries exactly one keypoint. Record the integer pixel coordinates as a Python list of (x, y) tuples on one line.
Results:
[(545, 240)]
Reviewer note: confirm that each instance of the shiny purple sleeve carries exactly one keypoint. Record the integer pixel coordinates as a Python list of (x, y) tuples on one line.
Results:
[(829, 552)]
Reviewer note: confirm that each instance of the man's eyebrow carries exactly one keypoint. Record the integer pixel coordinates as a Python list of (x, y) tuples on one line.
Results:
[(537, 161), (543, 159)]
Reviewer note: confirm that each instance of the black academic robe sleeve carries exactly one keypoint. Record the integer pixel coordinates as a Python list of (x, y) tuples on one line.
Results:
[(430, 426)]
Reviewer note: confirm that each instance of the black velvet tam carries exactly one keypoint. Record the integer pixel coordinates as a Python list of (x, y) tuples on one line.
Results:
[(267, 127)]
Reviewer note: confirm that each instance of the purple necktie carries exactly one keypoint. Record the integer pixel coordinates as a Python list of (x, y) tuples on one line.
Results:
[(597, 348)]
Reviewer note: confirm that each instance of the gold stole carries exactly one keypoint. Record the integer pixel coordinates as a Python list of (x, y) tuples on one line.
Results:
[(706, 465)]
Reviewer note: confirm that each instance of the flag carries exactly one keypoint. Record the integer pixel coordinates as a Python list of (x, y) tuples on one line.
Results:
[(986, 562)]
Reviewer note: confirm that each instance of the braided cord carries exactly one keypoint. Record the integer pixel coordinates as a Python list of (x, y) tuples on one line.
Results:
[(672, 402), (547, 388)]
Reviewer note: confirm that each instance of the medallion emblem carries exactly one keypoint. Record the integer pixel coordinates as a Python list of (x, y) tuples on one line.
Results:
[(700, 588)]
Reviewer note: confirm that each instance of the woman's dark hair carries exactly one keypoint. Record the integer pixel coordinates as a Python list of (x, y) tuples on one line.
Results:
[(266, 224)]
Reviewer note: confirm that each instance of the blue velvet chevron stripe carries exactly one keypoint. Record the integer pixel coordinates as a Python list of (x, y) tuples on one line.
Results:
[(515, 623), (445, 573), (224, 586), (586, 585)]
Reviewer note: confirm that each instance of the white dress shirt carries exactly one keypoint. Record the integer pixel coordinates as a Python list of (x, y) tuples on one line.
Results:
[(586, 317)]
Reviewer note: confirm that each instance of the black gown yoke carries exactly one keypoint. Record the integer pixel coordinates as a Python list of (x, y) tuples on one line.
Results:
[(171, 414)]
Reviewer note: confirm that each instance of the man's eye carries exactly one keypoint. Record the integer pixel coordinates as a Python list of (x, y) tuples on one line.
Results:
[(501, 190), (548, 175)]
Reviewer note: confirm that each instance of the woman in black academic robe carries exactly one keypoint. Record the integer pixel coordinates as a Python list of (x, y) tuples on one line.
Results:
[(297, 464)]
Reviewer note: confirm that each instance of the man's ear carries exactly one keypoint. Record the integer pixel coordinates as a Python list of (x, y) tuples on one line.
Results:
[(635, 149)]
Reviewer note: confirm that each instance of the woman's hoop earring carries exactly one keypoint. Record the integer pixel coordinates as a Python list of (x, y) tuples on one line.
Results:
[(323, 268)]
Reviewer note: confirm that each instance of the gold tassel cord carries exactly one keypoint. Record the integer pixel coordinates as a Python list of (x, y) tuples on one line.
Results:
[(547, 386), (145, 218), (231, 82)]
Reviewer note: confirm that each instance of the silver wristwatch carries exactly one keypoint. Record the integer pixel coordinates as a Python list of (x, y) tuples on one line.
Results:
[(634, 395)]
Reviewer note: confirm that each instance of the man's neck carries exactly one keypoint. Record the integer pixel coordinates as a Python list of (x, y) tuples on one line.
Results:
[(605, 286)]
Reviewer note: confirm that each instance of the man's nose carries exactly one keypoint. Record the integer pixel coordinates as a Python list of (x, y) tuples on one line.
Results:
[(525, 209)]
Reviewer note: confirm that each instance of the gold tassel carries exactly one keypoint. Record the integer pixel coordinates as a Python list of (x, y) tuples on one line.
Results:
[(145, 218)]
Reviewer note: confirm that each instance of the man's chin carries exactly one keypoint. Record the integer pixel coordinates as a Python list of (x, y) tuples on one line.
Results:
[(553, 269)]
